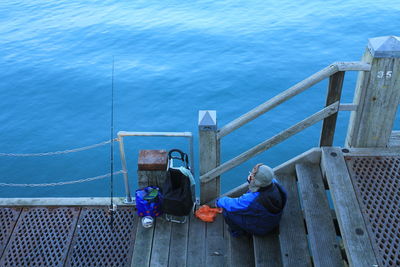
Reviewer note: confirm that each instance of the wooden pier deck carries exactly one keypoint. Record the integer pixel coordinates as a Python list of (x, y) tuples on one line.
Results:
[(351, 229)]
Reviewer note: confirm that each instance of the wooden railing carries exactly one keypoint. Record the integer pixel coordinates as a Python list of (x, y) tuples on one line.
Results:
[(340, 67), (210, 136), (316, 117)]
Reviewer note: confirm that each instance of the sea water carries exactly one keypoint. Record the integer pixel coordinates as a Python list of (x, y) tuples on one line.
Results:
[(172, 59)]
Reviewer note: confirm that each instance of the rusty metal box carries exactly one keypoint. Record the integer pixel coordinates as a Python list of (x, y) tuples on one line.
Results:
[(152, 160)]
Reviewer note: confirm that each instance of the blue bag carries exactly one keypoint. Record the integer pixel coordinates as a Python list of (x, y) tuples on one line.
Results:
[(148, 201)]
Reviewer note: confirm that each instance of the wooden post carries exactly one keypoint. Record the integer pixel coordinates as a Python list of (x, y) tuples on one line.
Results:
[(334, 94), (209, 153), (152, 168), (377, 95)]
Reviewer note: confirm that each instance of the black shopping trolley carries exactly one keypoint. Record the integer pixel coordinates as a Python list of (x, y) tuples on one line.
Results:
[(179, 189)]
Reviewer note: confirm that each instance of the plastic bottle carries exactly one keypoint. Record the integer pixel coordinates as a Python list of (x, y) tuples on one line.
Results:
[(147, 221)]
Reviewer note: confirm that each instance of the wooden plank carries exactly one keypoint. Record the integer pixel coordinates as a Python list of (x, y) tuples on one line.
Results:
[(143, 244), (311, 120), (267, 251), (347, 107), (292, 237), (143, 179), (312, 155), (227, 256), (394, 140), (161, 243), (371, 152), (334, 94), (321, 230), (353, 66), (240, 250), (235, 192), (196, 250), (354, 233), (179, 244), (215, 243), (151, 178)]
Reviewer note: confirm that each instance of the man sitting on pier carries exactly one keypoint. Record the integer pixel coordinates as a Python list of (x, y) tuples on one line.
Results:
[(258, 211)]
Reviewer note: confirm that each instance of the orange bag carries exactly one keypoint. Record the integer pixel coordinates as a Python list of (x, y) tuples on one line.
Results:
[(207, 214)]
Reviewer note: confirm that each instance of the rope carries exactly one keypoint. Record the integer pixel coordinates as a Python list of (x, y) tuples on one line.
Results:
[(57, 152), (63, 183)]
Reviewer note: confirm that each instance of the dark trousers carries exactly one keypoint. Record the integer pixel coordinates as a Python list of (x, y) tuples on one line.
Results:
[(234, 229)]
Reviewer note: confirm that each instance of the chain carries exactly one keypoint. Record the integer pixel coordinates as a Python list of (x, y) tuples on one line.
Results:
[(64, 183), (56, 152)]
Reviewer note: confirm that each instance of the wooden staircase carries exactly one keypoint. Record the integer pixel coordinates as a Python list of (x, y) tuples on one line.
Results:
[(307, 234), (321, 225)]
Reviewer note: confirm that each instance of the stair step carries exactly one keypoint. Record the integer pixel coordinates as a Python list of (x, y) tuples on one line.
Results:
[(292, 233), (356, 241), (240, 251), (267, 251), (321, 230)]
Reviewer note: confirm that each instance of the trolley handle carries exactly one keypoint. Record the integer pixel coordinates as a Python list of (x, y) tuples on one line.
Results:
[(183, 156)]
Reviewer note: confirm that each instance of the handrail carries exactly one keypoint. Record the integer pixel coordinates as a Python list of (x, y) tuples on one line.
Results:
[(316, 117), (122, 134), (352, 66), (189, 135), (291, 92), (156, 134)]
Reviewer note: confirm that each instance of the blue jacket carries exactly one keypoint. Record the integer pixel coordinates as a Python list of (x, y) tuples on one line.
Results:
[(250, 213)]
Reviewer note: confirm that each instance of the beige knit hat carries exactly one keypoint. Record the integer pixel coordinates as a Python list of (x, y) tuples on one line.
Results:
[(262, 178)]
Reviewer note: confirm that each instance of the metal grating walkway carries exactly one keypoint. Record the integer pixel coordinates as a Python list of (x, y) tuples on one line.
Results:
[(95, 242), (66, 236), (376, 181), (8, 218)]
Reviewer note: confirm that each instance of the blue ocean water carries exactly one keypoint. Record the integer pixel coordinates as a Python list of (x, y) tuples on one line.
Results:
[(172, 59)]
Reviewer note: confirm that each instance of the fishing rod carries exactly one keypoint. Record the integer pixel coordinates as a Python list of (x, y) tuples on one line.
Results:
[(112, 206)]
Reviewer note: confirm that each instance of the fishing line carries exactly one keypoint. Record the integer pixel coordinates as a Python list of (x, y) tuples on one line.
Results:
[(112, 208)]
